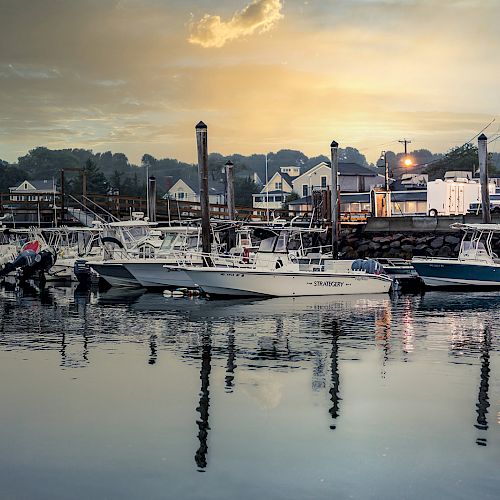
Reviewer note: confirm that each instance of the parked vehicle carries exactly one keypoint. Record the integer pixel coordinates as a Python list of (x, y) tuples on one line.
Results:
[(453, 197), (475, 207)]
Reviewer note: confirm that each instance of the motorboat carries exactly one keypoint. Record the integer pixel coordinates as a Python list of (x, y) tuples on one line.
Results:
[(283, 268), (476, 265), (183, 244), (121, 241)]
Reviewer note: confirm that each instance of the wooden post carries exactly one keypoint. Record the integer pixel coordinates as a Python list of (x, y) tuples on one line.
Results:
[(84, 187), (152, 199), (482, 149), (62, 197), (202, 145), (335, 198), (230, 190)]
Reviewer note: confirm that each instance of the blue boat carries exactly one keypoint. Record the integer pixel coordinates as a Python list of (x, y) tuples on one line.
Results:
[(476, 266)]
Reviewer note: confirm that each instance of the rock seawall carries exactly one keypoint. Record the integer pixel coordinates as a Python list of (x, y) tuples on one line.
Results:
[(357, 244)]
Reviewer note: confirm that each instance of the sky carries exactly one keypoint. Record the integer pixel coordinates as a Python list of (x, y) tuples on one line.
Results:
[(136, 76)]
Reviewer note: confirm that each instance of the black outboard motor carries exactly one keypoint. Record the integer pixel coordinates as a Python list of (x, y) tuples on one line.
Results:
[(30, 263), (369, 266)]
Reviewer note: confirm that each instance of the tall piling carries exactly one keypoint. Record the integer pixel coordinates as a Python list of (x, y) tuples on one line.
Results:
[(334, 146), (231, 210), (202, 145), (152, 198), (482, 149)]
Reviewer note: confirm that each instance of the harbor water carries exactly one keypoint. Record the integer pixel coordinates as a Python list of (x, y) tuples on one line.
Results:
[(128, 395)]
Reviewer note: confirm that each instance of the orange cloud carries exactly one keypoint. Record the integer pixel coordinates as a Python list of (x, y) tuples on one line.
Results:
[(257, 17)]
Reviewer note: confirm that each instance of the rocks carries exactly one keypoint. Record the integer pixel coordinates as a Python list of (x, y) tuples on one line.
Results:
[(438, 242), (356, 244), (452, 240)]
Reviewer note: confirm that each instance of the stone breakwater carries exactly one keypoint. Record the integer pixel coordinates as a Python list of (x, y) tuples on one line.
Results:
[(358, 244)]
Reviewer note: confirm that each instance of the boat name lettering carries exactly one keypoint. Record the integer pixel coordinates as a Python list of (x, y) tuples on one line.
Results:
[(328, 283)]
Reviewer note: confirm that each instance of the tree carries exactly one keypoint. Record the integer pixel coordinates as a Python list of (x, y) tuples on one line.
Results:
[(464, 158), (96, 181), (244, 187), (291, 197)]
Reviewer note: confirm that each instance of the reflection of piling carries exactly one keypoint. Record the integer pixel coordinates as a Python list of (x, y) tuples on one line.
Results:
[(335, 387), (202, 144), (231, 358), (153, 350), (483, 401), (203, 426), (152, 199)]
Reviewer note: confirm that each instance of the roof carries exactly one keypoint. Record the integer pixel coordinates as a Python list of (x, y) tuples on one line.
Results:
[(39, 185), (275, 191), (345, 169), (215, 187), (409, 195)]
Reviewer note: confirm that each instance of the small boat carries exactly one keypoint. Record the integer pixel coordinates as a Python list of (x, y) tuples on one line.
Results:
[(280, 271), (476, 266)]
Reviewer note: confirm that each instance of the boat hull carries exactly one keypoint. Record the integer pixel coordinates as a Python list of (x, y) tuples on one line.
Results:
[(229, 282), (115, 274), (457, 274), (159, 275)]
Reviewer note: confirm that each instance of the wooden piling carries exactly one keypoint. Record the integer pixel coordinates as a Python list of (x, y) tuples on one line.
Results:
[(202, 145), (230, 190), (335, 198), (482, 149), (152, 198)]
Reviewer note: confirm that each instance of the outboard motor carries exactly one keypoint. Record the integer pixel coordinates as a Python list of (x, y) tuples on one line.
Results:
[(30, 261), (369, 266)]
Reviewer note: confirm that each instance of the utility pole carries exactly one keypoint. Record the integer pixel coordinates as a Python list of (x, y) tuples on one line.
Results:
[(334, 152), (151, 200), (405, 142), (482, 149), (202, 144)]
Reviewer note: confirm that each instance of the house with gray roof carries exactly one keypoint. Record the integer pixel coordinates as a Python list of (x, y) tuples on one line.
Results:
[(35, 190), (188, 189)]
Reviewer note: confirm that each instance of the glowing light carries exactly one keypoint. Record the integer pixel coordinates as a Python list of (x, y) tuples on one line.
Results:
[(408, 162)]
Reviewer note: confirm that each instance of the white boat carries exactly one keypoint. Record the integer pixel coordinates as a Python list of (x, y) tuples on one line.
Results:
[(280, 272), (476, 266), (121, 241), (183, 243)]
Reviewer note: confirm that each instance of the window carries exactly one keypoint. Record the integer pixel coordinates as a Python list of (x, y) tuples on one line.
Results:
[(323, 181), (180, 195), (278, 185), (278, 198), (304, 190)]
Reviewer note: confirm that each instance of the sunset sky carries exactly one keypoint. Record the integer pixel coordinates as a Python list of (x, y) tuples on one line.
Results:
[(137, 75)]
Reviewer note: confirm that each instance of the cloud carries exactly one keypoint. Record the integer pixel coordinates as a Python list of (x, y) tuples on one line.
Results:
[(259, 16)]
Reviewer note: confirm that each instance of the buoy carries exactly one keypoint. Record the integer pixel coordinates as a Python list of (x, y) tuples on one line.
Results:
[(177, 293), (167, 293)]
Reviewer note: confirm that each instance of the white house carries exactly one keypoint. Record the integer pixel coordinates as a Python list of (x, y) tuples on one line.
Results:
[(275, 192), (43, 190), (188, 190), (353, 178)]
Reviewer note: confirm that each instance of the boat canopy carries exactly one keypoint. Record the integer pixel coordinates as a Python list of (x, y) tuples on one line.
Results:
[(494, 228)]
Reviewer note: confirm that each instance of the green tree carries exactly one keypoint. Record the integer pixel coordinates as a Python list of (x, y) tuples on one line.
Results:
[(464, 158), (244, 187), (96, 181)]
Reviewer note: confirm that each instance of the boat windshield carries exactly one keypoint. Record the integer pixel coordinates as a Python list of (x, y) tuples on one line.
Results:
[(267, 245), (281, 244), (168, 242)]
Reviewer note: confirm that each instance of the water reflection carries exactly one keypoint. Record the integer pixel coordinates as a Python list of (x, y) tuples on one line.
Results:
[(483, 402), (200, 456), (316, 335)]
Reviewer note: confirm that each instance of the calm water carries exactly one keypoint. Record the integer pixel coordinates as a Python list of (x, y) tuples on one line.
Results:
[(145, 397)]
